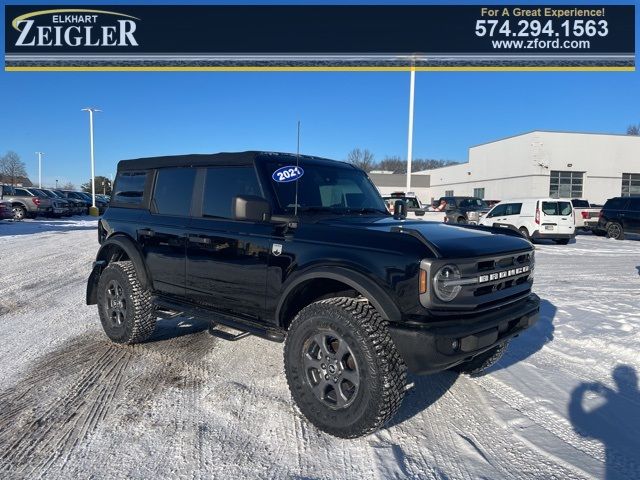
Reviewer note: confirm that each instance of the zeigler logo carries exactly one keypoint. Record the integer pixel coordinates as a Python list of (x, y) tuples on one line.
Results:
[(74, 27)]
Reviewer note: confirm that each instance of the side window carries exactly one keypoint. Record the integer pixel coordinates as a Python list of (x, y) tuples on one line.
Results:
[(222, 184), (173, 191), (513, 208), (129, 187), (498, 211), (21, 192)]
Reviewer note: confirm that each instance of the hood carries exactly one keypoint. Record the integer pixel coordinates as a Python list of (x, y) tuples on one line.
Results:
[(447, 241)]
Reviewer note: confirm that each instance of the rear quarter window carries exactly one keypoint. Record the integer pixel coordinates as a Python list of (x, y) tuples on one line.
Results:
[(129, 188)]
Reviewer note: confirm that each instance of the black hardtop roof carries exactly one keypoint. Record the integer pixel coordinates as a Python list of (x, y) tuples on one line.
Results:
[(223, 158)]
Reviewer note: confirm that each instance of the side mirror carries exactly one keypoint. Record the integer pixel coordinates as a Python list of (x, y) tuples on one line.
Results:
[(399, 210), (251, 207)]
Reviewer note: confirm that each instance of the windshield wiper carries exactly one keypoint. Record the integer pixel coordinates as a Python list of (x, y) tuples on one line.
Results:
[(367, 210)]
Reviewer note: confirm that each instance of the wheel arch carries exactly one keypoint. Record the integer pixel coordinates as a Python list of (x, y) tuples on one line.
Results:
[(289, 303), (115, 248)]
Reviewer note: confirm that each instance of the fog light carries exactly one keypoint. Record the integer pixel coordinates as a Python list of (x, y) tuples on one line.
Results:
[(455, 344)]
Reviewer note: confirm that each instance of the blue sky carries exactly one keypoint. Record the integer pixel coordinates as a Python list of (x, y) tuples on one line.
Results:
[(155, 113)]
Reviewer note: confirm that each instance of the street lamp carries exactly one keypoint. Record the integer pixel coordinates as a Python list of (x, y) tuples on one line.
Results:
[(40, 154), (412, 87), (93, 210), (56, 183)]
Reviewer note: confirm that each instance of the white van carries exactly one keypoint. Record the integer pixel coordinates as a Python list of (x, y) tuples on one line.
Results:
[(535, 218)]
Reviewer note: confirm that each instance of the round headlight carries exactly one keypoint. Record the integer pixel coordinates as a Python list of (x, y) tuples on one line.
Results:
[(446, 274)]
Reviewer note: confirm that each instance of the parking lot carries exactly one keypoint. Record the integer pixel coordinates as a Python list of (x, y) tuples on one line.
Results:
[(562, 403)]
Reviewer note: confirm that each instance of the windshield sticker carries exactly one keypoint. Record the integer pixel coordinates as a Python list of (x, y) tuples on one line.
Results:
[(290, 173)]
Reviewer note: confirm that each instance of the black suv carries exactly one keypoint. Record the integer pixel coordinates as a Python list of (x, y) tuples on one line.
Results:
[(301, 250), (619, 215)]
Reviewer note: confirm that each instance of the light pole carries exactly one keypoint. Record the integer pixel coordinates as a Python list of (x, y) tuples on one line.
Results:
[(93, 209), (410, 136), (56, 183), (40, 154)]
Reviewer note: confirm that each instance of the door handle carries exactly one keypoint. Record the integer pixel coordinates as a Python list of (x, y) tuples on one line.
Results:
[(202, 240), (146, 232)]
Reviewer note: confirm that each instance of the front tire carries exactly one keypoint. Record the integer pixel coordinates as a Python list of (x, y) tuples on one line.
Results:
[(124, 306), (482, 362), (19, 213), (614, 230), (343, 369)]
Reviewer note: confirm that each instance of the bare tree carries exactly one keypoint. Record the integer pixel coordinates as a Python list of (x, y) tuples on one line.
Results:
[(11, 167), (68, 186), (363, 159), (393, 164), (633, 130)]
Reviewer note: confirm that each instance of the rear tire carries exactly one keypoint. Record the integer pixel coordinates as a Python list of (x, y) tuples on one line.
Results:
[(343, 369), (562, 241), (524, 232), (125, 308), (614, 230), (479, 364)]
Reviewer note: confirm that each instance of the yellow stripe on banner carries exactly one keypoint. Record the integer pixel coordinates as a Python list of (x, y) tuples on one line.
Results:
[(317, 69)]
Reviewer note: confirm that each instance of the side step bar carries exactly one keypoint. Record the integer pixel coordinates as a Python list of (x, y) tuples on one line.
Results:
[(167, 308)]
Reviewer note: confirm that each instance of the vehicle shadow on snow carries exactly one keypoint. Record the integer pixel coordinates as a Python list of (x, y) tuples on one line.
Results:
[(28, 227), (531, 340), (611, 416)]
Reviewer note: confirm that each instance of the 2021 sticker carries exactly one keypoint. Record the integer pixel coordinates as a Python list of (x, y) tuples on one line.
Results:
[(290, 173)]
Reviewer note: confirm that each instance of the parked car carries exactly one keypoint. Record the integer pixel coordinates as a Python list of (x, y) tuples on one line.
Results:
[(58, 207), (464, 209), (535, 218), (6, 210), (101, 204), (66, 204), (79, 206), (85, 204), (415, 210), (586, 216), (25, 204), (301, 250), (620, 215)]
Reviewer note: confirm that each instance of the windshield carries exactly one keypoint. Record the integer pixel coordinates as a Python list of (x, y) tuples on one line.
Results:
[(327, 188)]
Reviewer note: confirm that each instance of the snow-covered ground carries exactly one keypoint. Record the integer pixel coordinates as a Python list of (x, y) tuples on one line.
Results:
[(563, 403)]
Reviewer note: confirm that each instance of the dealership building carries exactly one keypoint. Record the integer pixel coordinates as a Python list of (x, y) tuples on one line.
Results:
[(536, 164)]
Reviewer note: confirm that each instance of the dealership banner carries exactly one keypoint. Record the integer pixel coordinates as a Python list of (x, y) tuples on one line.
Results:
[(320, 37)]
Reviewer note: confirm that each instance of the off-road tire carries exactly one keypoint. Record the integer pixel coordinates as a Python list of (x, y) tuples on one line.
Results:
[(19, 212), (381, 372), (138, 319), (562, 241), (479, 364), (614, 230)]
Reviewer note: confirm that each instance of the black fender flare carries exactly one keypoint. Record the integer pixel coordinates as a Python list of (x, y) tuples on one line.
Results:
[(134, 253), (369, 289)]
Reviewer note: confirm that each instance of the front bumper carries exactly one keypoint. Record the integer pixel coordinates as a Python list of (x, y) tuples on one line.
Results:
[(429, 348)]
